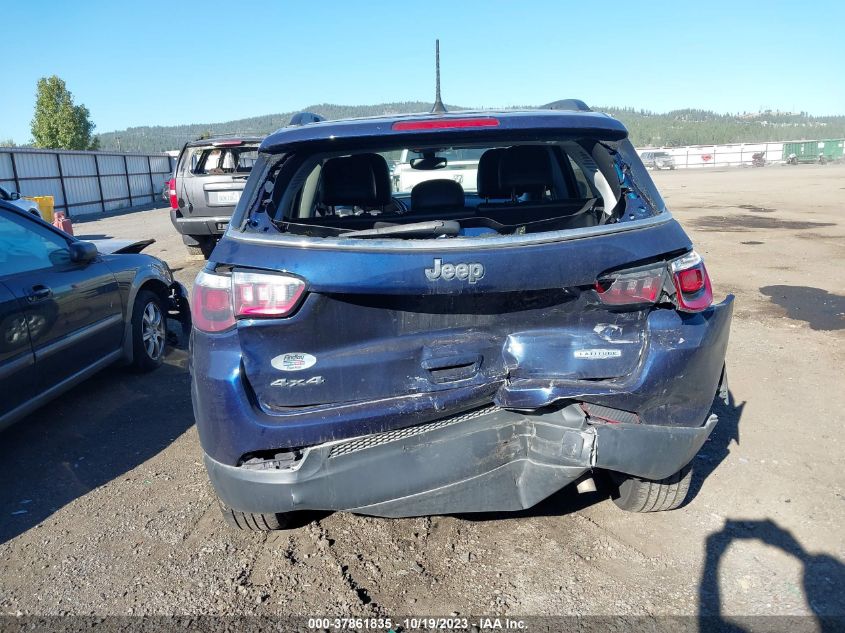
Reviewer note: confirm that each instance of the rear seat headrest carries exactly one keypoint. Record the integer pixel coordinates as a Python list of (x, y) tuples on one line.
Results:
[(488, 175), (437, 194), (526, 167), (361, 179)]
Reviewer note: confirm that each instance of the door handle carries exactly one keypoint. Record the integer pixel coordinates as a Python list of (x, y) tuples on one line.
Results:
[(451, 368), (39, 292)]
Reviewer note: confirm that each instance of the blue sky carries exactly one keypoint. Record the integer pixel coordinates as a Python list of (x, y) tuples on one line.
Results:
[(166, 63)]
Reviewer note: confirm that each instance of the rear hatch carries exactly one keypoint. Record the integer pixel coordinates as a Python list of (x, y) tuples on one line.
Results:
[(211, 177), (450, 320), (401, 334)]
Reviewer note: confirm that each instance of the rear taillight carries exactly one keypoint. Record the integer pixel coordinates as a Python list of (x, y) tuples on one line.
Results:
[(171, 185), (260, 295), (218, 300), (692, 283), (211, 302), (631, 287)]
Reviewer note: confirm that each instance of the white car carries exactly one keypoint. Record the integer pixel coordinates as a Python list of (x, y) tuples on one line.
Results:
[(657, 160), (460, 165), (13, 197)]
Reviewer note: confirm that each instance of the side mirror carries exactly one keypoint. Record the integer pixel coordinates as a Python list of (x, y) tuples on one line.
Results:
[(14, 196), (82, 252)]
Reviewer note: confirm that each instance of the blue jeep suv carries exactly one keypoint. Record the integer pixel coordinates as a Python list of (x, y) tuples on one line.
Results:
[(459, 347)]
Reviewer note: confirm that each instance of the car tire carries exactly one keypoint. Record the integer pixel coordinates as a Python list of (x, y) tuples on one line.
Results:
[(635, 494), (149, 331), (253, 521)]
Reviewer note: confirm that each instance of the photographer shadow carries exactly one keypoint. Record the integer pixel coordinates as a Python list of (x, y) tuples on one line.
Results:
[(823, 579)]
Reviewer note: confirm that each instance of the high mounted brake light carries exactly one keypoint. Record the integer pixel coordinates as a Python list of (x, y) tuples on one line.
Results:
[(692, 283), (218, 300), (444, 124), (228, 143)]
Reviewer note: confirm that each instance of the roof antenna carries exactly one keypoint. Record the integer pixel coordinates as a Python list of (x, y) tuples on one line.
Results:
[(438, 107)]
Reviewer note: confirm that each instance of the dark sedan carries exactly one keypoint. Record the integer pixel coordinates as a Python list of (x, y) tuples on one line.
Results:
[(68, 310)]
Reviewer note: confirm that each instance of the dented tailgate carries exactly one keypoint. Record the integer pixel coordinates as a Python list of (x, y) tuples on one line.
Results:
[(371, 331)]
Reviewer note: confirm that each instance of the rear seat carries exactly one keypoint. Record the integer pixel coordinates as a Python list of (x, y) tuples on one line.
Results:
[(520, 170), (361, 180), (487, 178), (437, 195)]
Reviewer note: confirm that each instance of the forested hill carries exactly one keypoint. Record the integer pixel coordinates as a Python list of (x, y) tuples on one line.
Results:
[(679, 127)]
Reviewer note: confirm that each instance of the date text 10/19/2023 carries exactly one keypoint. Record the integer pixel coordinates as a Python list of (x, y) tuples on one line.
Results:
[(416, 623)]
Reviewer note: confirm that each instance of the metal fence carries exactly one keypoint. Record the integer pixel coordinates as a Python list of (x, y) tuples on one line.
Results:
[(83, 183), (731, 155)]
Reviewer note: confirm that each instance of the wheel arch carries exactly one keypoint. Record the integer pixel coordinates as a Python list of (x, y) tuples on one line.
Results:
[(148, 281)]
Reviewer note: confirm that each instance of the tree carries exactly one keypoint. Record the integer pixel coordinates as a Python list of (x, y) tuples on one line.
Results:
[(7, 143), (58, 123)]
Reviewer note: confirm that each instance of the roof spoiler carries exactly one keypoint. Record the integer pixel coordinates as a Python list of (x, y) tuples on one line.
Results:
[(304, 118), (568, 104)]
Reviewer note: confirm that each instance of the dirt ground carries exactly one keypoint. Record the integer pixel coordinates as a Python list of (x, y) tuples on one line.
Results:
[(105, 507)]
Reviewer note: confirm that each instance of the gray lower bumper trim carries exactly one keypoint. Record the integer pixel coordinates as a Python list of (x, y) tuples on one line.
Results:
[(200, 225), (489, 460)]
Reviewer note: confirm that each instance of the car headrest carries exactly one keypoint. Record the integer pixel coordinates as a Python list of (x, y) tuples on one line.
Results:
[(488, 175), (436, 194), (361, 179), (526, 167)]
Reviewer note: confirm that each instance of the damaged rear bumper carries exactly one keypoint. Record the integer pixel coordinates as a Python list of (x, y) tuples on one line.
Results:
[(489, 459)]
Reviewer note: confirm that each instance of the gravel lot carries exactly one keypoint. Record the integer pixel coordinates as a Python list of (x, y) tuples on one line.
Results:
[(105, 507)]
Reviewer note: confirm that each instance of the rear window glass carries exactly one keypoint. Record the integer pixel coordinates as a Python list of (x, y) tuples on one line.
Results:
[(204, 161), (467, 191)]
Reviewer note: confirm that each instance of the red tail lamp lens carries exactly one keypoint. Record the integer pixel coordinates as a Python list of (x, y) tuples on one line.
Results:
[(217, 300), (691, 280), (631, 288), (211, 303), (692, 283), (171, 185), (261, 295)]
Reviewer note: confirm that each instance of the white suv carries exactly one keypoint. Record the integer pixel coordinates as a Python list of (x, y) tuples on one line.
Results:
[(460, 165)]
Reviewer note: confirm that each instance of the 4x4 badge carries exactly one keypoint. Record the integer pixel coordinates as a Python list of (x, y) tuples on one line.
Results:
[(297, 382), (471, 271)]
